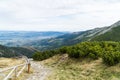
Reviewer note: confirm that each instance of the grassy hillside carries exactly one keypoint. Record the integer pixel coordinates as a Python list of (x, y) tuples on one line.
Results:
[(65, 68), (112, 35)]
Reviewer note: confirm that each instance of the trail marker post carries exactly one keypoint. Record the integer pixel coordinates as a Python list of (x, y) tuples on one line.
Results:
[(29, 67)]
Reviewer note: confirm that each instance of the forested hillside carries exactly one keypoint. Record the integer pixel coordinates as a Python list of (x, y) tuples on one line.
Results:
[(16, 51)]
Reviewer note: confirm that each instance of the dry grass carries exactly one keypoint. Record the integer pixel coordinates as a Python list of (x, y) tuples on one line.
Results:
[(82, 69), (10, 62), (24, 74)]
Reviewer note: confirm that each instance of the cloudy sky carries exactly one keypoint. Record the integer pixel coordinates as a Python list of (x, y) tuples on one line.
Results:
[(57, 15)]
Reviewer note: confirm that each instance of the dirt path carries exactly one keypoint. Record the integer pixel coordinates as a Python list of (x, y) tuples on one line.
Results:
[(40, 72)]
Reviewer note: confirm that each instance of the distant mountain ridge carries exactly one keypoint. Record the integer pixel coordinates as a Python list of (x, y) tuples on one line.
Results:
[(113, 34), (77, 37), (58, 39)]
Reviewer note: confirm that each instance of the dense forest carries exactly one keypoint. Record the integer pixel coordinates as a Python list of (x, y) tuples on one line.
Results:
[(107, 50)]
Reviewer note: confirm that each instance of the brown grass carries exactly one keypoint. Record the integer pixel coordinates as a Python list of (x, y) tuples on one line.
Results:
[(81, 69), (8, 62), (24, 74)]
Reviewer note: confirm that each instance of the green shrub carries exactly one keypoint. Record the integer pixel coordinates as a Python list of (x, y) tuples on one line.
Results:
[(64, 49), (111, 57), (95, 52), (38, 56), (73, 53), (109, 51)]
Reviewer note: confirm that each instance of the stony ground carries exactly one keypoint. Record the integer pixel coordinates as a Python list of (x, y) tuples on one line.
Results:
[(40, 72)]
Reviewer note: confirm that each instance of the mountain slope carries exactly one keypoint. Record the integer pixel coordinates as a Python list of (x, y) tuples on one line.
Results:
[(35, 39), (111, 35), (106, 33), (67, 39), (15, 51)]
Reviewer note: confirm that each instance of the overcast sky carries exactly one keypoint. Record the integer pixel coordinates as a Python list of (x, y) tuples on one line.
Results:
[(57, 15)]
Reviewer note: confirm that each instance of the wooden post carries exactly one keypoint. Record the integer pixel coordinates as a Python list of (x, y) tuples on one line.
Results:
[(15, 73), (29, 67)]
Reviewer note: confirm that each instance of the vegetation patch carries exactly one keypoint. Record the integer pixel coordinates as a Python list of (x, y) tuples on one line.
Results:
[(109, 51)]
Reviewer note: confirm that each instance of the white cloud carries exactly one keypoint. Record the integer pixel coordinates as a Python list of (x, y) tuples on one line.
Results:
[(71, 15)]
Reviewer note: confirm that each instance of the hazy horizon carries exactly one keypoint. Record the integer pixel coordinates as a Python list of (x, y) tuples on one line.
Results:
[(57, 15)]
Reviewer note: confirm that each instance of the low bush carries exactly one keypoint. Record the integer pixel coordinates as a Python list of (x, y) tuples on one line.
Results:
[(111, 57), (109, 51)]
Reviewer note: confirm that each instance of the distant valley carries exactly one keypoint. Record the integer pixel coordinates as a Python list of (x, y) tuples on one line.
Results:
[(19, 38)]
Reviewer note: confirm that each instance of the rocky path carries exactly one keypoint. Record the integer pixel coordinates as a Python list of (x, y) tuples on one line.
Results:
[(40, 72)]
